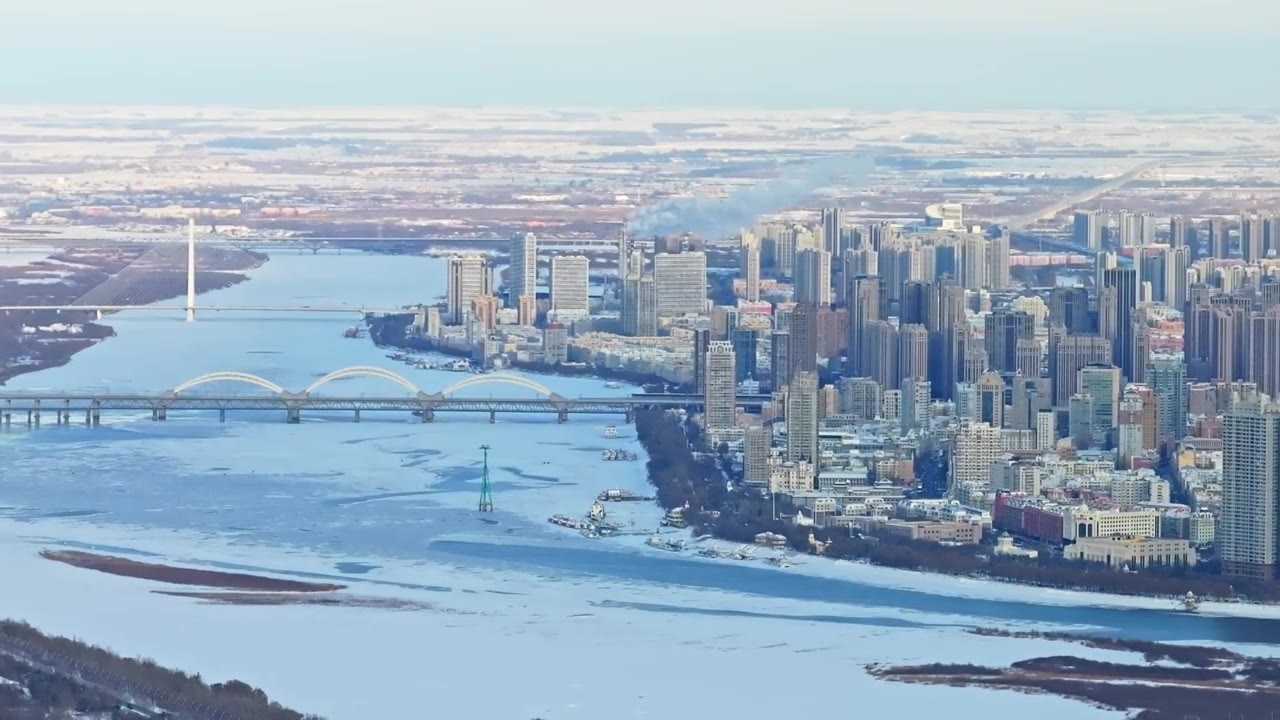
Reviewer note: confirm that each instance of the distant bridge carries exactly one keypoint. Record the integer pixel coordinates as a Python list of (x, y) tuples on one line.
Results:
[(275, 397), (314, 244), (99, 310)]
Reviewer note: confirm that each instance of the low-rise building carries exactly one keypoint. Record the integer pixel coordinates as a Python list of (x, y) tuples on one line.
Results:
[(1132, 552), (933, 531)]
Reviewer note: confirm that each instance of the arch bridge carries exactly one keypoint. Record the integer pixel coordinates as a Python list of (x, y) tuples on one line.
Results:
[(506, 393)]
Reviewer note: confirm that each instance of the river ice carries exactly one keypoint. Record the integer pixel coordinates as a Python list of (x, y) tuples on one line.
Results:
[(531, 620)]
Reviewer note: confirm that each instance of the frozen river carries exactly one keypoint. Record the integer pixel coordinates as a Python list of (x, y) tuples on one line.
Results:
[(532, 620)]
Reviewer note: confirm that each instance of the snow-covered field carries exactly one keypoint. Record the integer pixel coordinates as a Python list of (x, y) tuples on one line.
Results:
[(531, 620)]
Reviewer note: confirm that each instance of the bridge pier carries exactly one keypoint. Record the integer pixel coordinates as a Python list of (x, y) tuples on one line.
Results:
[(95, 414), (357, 416), (222, 415), (493, 416), (562, 416), (8, 419), (630, 416), (428, 415), (66, 417), (160, 413), (294, 417)]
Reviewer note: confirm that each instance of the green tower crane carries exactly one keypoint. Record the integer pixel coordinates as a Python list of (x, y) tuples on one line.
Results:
[(486, 490)]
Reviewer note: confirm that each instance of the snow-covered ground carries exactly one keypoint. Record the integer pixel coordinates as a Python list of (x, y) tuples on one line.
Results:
[(532, 620)]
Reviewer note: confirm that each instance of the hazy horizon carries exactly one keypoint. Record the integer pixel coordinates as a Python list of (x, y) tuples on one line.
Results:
[(914, 54)]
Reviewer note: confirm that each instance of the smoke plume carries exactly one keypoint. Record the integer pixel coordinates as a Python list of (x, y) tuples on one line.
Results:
[(714, 218)]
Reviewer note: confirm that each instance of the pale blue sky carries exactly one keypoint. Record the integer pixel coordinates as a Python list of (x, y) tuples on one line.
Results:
[(1134, 54)]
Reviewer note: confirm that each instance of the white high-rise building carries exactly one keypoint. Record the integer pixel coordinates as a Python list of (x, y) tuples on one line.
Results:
[(813, 277), (1248, 525), (469, 278), (1046, 430), (524, 268), (569, 283), (681, 281), (802, 418), (975, 448), (721, 399)]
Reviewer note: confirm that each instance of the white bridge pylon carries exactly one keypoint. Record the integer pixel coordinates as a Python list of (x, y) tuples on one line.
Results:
[(504, 379)]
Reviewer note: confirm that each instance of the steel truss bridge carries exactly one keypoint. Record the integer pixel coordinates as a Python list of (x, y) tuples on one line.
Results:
[(276, 398)]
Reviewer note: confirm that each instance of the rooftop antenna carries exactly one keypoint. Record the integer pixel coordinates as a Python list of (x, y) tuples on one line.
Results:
[(486, 490)]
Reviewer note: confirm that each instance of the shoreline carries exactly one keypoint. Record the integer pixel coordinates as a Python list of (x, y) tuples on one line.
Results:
[(89, 278)]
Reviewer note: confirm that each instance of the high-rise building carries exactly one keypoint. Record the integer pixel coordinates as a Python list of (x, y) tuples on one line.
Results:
[(976, 363), (1102, 384), (864, 308), (861, 397), (1046, 430), (681, 280), (780, 366), (1176, 262), (803, 353), (1248, 525), (802, 418), (1183, 234), (880, 353), (1167, 376), (990, 408), (1141, 351), (1129, 429), (813, 277), (701, 341), (998, 262), (1027, 355), (1263, 351), (469, 278), (1252, 248), (1087, 229), (624, 257), (1004, 328), (756, 444), (1028, 397), (833, 232), (1080, 421), (749, 265), (1146, 229), (1069, 307), (646, 307), (1199, 342), (569, 283), (720, 399), (948, 326), (1229, 333), (973, 262), (833, 332), (913, 352), (1219, 239), (744, 353), (916, 399), (974, 450), (524, 268), (859, 261), (1125, 283)]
